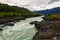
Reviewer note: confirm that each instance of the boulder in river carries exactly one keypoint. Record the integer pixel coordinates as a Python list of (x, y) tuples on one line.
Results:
[(1, 29)]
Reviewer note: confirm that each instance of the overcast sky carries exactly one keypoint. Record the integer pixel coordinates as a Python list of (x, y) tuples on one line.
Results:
[(33, 4)]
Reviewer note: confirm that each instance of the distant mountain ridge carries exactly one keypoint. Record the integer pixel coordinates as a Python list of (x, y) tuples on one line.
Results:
[(55, 10)]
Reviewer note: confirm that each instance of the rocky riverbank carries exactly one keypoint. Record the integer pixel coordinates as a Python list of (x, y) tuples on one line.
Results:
[(47, 30), (9, 21), (6, 20)]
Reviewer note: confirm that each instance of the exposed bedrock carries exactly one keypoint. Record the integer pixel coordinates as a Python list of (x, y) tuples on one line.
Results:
[(47, 30), (38, 25)]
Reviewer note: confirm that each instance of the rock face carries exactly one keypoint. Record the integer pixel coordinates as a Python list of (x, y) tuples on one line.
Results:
[(47, 30), (38, 25)]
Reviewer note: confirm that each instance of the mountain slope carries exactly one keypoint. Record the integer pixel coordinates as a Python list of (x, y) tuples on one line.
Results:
[(49, 11), (7, 11)]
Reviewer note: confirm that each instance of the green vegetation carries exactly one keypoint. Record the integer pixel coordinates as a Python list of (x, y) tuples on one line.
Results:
[(7, 11), (53, 17)]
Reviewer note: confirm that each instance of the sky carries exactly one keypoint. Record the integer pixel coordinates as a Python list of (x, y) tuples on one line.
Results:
[(33, 4)]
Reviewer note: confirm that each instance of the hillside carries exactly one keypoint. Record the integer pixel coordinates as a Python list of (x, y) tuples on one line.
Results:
[(14, 11), (52, 17)]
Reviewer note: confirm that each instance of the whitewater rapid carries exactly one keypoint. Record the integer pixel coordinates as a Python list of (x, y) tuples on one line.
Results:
[(21, 30)]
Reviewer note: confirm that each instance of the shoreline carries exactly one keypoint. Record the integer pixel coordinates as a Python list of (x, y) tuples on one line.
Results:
[(11, 21), (17, 19)]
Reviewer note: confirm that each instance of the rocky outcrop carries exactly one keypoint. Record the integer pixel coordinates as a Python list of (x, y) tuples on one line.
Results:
[(6, 20), (47, 30), (38, 25)]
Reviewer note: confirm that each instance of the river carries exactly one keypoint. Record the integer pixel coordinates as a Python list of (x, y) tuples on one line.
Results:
[(21, 30)]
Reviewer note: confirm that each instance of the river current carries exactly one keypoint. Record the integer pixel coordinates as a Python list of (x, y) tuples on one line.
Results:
[(21, 30)]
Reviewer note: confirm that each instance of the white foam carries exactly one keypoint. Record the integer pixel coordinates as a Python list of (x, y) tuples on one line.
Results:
[(20, 30)]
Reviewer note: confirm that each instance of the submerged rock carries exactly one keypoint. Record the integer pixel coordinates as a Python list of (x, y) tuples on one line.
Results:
[(1, 29), (9, 24)]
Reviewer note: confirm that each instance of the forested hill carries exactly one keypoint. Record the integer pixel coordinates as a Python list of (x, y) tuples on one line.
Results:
[(8, 11), (7, 8)]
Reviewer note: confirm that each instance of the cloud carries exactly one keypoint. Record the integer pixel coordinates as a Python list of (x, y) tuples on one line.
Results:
[(56, 4), (32, 4), (52, 1)]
